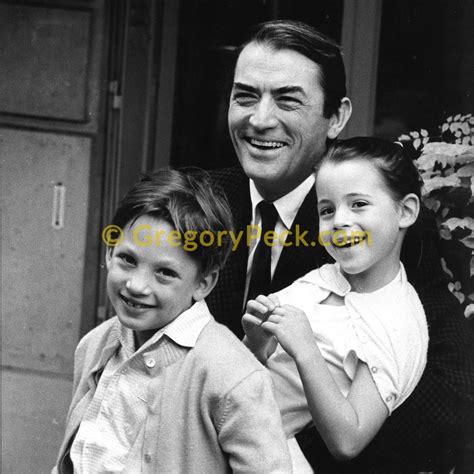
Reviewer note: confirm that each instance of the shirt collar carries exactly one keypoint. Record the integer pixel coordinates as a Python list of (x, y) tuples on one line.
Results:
[(184, 330), (288, 205), (187, 327), (330, 277)]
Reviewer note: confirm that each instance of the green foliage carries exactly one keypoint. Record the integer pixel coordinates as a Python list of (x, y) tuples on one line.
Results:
[(447, 169)]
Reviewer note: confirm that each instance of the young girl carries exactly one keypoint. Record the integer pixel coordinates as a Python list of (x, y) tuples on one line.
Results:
[(346, 344)]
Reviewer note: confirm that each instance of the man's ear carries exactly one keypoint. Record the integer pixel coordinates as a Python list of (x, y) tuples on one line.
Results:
[(339, 119), (108, 256), (409, 210), (206, 284)]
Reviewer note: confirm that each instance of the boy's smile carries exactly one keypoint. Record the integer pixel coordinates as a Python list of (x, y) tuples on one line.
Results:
[(151, 285)]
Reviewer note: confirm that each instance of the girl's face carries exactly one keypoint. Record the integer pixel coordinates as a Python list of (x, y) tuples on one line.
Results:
[(359, 223)]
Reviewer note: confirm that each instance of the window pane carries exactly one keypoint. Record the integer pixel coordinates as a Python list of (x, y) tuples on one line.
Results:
[(426, 64)]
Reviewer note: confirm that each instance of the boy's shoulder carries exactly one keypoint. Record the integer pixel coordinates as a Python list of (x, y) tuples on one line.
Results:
[(100, 335), (221, 354)]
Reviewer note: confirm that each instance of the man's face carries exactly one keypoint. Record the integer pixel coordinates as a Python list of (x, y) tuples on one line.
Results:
[(276, 119)]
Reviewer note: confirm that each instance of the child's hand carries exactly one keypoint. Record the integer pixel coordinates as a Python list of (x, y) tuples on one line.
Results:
[(257, 312), (291, 327)]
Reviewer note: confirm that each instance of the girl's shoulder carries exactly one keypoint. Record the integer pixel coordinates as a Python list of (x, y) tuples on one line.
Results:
[(315, 287)]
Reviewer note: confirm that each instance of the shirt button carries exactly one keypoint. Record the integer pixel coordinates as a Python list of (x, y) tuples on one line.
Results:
[(147, 458), (150, 363), (389, 398), (374, 370), (125, 370)]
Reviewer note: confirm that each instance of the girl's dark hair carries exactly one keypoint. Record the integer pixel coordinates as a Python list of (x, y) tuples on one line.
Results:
[(188, 201), (396, 168)]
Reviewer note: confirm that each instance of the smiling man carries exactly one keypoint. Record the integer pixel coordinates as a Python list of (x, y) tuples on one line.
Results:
[(288, 102), (277, 120)]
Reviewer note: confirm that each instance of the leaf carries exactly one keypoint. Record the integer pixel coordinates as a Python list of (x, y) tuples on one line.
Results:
[(441, 148), (461, 154), (468, 241), (466, 171), (457, 117), (460, 296), (445, 268), (416, 143), (466, 156), (466, 129), (404, 137), (424, 133), (445, 234), (444, 127), (439, 182), (449, 119), (455, 222), (469, 310), (432, 203)]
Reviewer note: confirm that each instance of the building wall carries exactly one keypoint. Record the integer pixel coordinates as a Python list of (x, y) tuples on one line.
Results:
[(51, 77)]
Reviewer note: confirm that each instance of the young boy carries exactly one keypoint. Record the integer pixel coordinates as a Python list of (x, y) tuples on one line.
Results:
[(162, 387)]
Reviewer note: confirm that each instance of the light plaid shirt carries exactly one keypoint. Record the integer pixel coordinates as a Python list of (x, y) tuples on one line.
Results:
[(114, 422)]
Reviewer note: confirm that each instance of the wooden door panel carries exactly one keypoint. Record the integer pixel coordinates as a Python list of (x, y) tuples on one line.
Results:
[(42, 267), (45, 67)]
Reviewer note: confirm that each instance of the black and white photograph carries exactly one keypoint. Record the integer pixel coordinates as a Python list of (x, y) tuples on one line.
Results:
[(237, 236)]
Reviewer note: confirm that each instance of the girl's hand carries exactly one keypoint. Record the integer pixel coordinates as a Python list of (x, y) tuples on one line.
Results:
[(257, 339), (292, 329)]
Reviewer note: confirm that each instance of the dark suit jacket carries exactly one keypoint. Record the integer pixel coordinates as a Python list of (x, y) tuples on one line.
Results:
[(438, 418)]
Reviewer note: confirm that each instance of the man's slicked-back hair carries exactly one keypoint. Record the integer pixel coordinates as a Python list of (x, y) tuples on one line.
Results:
[(306, 40), (187, 200)]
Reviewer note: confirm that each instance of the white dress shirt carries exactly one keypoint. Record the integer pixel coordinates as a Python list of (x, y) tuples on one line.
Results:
[(287, 208)]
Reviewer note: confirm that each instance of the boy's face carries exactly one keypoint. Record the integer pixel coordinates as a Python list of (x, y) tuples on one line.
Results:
[(151, 280)]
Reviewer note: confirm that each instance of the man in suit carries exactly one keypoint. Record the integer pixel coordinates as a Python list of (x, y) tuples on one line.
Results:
[(288, 101)]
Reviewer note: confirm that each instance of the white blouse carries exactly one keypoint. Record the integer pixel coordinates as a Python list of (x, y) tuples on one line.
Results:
[(386, 329)]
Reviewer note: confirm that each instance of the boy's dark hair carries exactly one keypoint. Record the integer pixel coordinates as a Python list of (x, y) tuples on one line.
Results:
[(306, 40), (395, 166), (189, 202)]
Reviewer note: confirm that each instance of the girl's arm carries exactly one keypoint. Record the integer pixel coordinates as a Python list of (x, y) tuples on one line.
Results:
[(347, 425)]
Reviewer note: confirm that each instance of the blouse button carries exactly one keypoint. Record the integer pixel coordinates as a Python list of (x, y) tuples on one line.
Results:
[(374, 370), (150, 363), (389, 398)]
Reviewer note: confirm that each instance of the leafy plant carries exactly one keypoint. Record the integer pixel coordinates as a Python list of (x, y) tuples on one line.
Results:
[(446, 164)]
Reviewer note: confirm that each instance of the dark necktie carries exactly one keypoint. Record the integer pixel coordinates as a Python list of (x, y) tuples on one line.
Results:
[(260, 277)]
